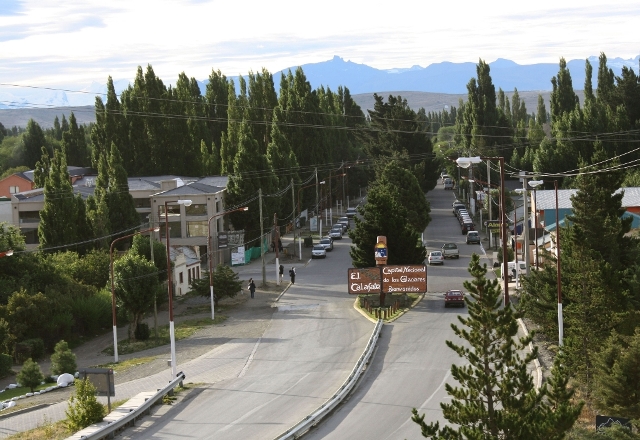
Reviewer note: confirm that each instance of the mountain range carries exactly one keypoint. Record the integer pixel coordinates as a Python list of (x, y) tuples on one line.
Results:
[(445, 78)]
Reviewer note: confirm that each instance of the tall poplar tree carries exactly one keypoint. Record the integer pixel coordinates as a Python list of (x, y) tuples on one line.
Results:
[(31, 145), (122, 211), (74, 144)]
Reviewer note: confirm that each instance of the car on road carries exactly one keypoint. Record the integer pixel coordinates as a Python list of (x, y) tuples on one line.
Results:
[(327, 242), (336, 232), (344, 221), (473, 237), (435, 257), (351, 212), (318, 251), (448, 184), (450, 250), (454, 298), (457, 206)]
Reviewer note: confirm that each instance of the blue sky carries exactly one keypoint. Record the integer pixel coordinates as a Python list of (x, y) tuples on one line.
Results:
[(72, 43)]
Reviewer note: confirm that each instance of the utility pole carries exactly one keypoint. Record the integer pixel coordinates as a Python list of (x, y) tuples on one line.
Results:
[(525, 225), (276, 245), (317, 206), (155, 303), (264, 270), (490, 217), (293, 215)]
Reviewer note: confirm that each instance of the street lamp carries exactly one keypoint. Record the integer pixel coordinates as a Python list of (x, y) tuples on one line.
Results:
[(466, 162), (172, 335), (6, 253), (113, 292), (209, 246)]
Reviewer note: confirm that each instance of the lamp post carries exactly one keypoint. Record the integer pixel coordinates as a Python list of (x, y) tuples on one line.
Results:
[(535, 184), (465, 162), (113, 291), (172, 335), (560, 321), (7, 253), (209, 246)]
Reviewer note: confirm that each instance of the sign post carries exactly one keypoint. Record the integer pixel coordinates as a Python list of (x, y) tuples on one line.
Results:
[(381, 256)]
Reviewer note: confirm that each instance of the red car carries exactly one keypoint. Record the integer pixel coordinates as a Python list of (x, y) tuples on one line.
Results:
[(454, 298)]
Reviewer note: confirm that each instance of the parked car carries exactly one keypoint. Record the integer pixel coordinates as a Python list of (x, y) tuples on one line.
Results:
[(444, 177), (336, 232), (450, 250), (454, 298), (351, 212), (448, 184), (467, 226), (457, 207), (318, 251), (473, 237), (327, 242), (345, 221), (435, 257)]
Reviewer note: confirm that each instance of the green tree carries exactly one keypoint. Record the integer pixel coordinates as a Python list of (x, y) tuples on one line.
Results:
[(32, 142), (383, 215), (63, 360), (74, 144), (496, 397), (226, 284), (617, 376), (563, 98), (41, 170), (136, 284), (58, 216), (84, 409), (30, 375), (122, 210)]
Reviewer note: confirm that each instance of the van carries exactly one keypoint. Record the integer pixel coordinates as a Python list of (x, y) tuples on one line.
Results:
[(448, 184)]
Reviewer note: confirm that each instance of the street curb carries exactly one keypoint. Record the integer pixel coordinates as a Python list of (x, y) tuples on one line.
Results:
[(24, 410), (536, 362), (363, 313)]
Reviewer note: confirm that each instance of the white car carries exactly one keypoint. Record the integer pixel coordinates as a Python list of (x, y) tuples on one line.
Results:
[(318, 251), (351, 212), (344, 221), (435, 257), (336, 232), (327, 242)]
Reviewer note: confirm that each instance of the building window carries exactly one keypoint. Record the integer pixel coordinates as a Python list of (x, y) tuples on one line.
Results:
[(181, 278), (197, 229), (29, 216), (142, 203), (199, 209), (14, 189), (174, 230), (189, 275)]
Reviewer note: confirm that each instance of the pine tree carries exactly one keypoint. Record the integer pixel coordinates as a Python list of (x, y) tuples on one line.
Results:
[(41, 170), (32, 142), (496, 397), (563, 98), (74, 144), (30, 375), (84, 409), (63, 360), (122, 210)]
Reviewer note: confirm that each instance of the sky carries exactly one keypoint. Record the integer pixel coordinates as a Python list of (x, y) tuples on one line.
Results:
[(72, 43)]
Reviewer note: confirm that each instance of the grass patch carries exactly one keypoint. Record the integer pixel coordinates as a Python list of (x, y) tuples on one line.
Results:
[(183, 330), (126, 364), (412, 297), (15, 392)]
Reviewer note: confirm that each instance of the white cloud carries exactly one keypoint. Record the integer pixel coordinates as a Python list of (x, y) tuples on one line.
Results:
[(76, 42)]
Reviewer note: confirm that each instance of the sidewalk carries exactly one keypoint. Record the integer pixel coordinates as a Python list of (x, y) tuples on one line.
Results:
[(247, 320)]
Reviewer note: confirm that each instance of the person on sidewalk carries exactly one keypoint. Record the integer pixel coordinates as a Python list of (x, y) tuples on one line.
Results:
[(252, 287), (292, 274), (281, 268)]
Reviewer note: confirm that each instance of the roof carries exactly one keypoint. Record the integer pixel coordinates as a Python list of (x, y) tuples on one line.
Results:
[(191, 189), (546, 199), (190, 255)]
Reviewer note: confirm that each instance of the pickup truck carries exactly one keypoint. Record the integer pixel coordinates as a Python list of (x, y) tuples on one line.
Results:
[(450, 250)]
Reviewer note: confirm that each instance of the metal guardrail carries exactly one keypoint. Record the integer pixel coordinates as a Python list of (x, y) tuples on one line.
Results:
[(312, 419), (121, 418)]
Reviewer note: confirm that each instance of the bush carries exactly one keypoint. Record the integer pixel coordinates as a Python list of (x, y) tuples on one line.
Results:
[(29, 348), (142, 331), (30, 376), (93, 313), (6, 362), (63, 360), (84, 409)]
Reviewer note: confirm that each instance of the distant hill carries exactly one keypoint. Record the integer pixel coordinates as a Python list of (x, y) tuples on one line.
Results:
[(438, 78), (433, 102)]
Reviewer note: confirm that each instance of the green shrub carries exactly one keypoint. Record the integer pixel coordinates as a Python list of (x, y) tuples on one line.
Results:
[(49, 379), (6, 362), (29, 348), (63, 360), (91, 314), (142, 331), (30, 376), (84, 409)]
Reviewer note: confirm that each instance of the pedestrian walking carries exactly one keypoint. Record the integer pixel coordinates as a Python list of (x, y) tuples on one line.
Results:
[(292, 275), (281, 268), (252, 287)]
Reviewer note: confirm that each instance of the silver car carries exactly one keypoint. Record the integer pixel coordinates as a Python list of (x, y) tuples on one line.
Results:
[(318, 251)]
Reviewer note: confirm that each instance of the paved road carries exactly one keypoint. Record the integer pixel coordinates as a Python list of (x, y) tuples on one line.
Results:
[(412, 362), (314, 339)]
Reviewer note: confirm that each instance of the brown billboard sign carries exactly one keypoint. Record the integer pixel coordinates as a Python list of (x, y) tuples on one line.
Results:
[(364, 280), (409, 278)]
